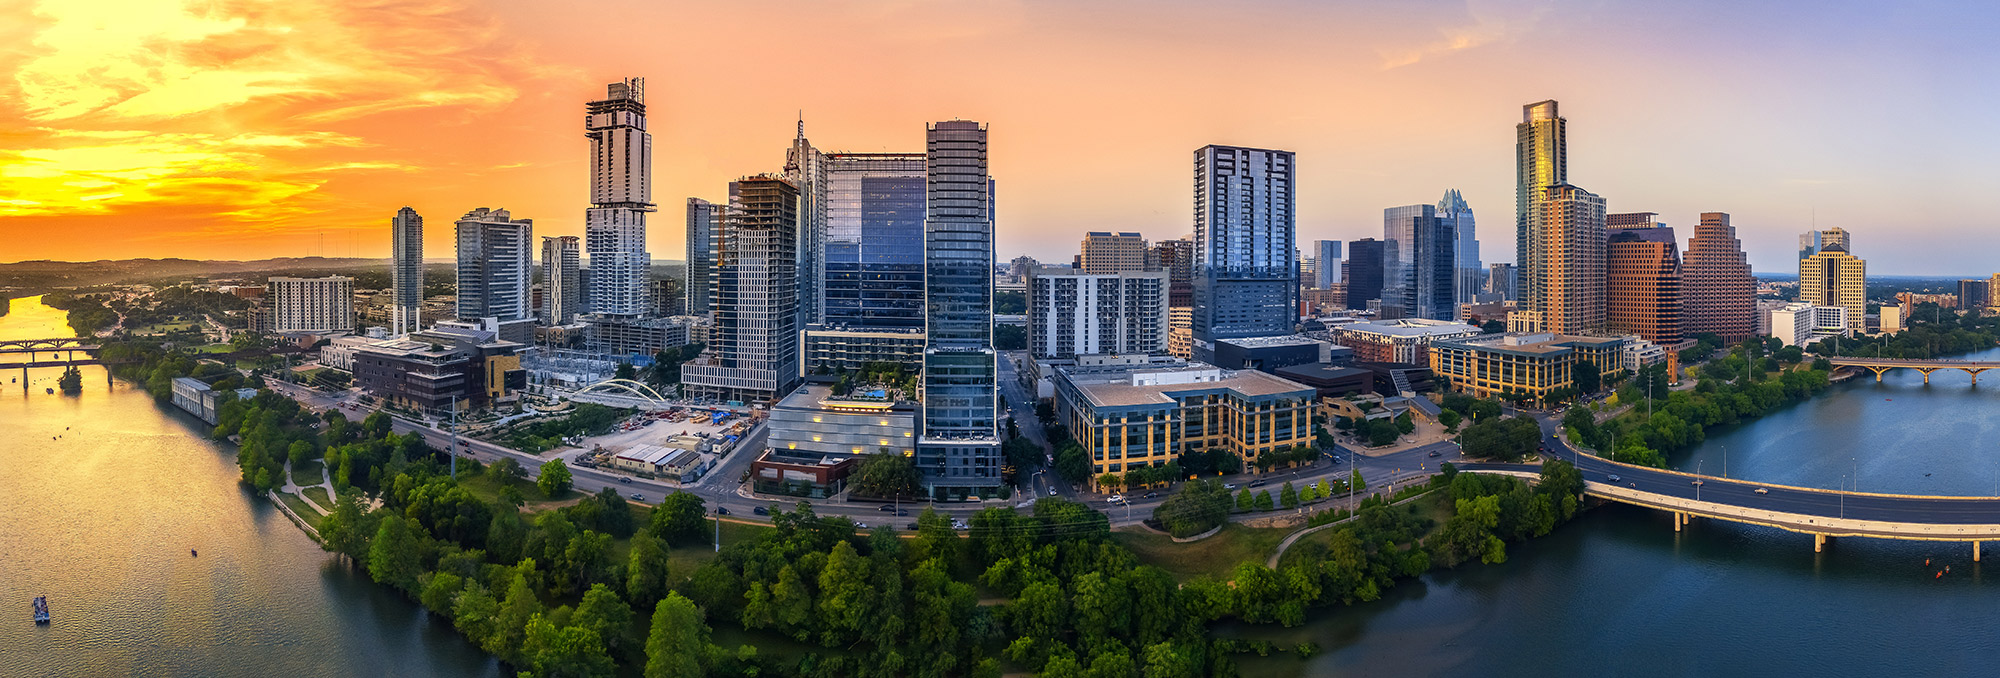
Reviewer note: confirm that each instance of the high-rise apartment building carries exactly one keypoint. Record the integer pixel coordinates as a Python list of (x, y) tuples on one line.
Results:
[(1833, 277), (703, 219), (1500, 280), (1541, 160), (1642, 270), (1465, 249), (1072, 314), (406, 272), (1419, 271), (621, 193), (1246, 273), (1105, 252), (1569, 239), (1176, 257), (561, 262), (753, 350), (1326, 264), (495, 264), (958, 444), (1718, 293), (311, 304), (1364, 272), (1974, 294)]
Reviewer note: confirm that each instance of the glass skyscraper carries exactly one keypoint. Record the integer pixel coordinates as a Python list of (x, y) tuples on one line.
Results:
[(703, 219), (1246, 278), (406, 276), (1541, 160), (495, 261), (1326, 264), (1466, 283), (958, 445), (1418, 262), (874, 256)]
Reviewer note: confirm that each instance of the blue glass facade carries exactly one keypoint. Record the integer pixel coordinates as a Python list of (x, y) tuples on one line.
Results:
[(875, 242), (1246, 276), (958, 449)]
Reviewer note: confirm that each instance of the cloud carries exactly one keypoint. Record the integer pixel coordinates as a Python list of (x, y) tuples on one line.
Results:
[(1492, 21)]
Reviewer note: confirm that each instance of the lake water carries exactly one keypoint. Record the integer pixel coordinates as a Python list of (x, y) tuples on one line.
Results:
[(102, 520), (1618, 592)]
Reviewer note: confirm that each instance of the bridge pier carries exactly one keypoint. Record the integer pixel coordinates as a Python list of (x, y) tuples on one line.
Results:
[(1927, 374), (1974, 371), (1679, 519), (1878, 372), (1819, 543), (1975, 551)]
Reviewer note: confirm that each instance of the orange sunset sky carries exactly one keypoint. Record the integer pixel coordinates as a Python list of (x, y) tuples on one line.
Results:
[(238, 130)]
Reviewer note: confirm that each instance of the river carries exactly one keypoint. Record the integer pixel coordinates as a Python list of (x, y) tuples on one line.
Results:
[(1618, 592), (102, 519)]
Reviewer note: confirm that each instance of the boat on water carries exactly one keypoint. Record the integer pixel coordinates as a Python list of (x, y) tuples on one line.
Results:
[(41, 609), (50, 390)]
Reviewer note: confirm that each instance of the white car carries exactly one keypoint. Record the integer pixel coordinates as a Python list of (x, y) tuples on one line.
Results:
[(1116, 499)]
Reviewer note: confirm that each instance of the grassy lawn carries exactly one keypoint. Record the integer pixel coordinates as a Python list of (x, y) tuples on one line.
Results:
[(1436, 506), (318, 496), (307, 473), (299, 506), (1214, 556), (488, 489), (214, 348)]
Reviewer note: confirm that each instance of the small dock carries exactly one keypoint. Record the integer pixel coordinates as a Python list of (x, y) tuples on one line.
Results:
[(41, 609)]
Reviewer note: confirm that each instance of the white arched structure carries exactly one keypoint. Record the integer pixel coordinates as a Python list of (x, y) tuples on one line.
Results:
[(629, 386)]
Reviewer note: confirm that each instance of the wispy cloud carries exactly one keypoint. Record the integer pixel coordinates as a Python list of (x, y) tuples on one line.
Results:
[(1491, 21)]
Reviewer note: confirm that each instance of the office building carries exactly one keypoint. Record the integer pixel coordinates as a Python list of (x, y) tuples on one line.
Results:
[(1835, 278), (703, 219), (872, 263), (1364, 272), (1268, 354), (310, 305), (442, 367), (1801, 323), (1176, 257), (1246, 275), (664, 297), (1531, 363), (495, 264), (1072, 314), (635, 339), (1149, 415), (1500, 281), (406, 271), (1403, 340), (753, 350), (1465, 249), (1419, 273), (958, 440), (1105, 252), (1017, 270), (1642, 270), (1541, 160), (1809, 244), (1718, 293), (1835, 237), (621, 194), (1326, 264), (806, 168), (1564, 294), (562, 260), (1891, 318), (1180, 332), (1974, 294)]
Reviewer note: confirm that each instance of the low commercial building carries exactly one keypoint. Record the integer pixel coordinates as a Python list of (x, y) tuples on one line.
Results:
[(1140, 417), (787, 472), (339, 351), (1403, 340), (812, 420), (1532, 363), (1639, 353), (672, 463), (440, 367), (1267, 354), (196, 397), (1331, 381)]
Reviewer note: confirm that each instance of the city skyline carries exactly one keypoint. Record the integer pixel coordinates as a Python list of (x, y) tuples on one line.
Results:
[(233, 148)]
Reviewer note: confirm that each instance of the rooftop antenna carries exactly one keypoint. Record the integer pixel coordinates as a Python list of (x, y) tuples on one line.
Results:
[(802, 123)]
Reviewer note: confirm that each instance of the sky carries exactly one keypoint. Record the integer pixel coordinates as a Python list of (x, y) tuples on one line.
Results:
[(241, 130)]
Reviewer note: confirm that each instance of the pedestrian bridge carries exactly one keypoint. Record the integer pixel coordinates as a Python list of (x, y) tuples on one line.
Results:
[(1926, 366), (1806, 510)]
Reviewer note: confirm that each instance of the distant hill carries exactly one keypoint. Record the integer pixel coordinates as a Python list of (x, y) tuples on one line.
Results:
[(45, 273)]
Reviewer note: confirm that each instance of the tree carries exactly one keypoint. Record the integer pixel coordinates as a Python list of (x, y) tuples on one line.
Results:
[(1404, 424), (555, 478), (887, 474), (1198, 507), (1009, 337), (604, 612), (71, 381), (1289, 496), (625, 371), (1263, 501), (1072, 462), (680, 518), (1493, 327), (564, 652), (342, 531), (1450, 419), (1356, 483), (506, 470), (646, 570), (1587, 377), (1244, 501), (1484, 409), (678, 643), (394, 558), (1109, 482)]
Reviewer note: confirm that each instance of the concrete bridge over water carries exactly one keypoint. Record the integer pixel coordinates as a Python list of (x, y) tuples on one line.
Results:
[(1926, 366)]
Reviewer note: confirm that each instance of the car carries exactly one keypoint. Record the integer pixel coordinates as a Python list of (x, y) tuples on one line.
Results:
[(912, 527), (1150, 495), (624, 479), (1228, 486), (1435, 453), (860, 526), (761, 511), (1761, 490), (721, 510), (1257, 483), (1614, 478), (638, 497), (1697, 482), (958, 525), (885, 507), (1116, 499), (1052, 491)]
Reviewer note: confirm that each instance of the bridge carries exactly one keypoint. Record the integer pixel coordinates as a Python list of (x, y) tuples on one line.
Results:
[(38, 345), (1926, 366), (1824, 514)]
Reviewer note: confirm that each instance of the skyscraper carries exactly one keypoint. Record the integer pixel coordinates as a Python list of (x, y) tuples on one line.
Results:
[(311, 304), (871, 263), (1717, 292), (806, 167), (1072, 314), (1465, 250), (1809, 244), (621, 193), (1326, 269), (703, 218), (1105, 252), (406, 273), (958, 445), (1833, 277), (560, 265), (753, 349), (1246, 273), (495, 261), (1418, 270), (1643, 281), (1176, 257), (1541, 159), (1500, 280), (1364, 272), (1571, 237)]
